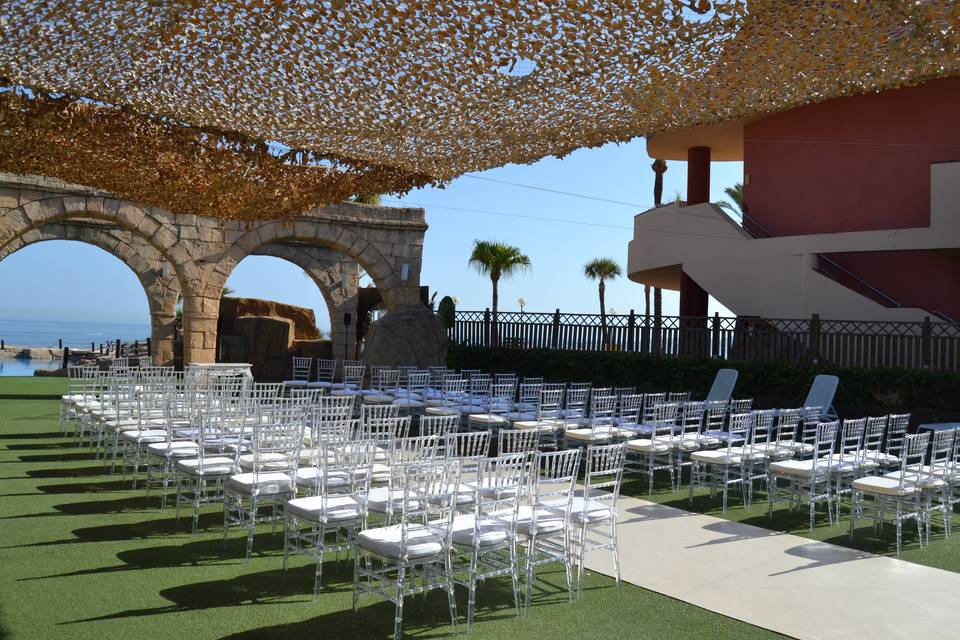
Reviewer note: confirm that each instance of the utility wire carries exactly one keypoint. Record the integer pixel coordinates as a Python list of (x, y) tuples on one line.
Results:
[(563, 193)]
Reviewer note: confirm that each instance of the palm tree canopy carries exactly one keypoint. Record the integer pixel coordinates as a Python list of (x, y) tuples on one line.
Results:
[(735, 193), (497, 259), (602, 269)]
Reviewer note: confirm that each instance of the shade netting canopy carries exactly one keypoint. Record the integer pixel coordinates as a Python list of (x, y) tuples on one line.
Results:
[(260, 108)]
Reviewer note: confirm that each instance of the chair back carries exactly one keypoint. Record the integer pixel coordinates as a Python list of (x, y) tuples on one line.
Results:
[(822, 391), (469, 447), (851, 437), (326, 369), (603, 475), (722, 388), (896, 433), (517, 441), (440, 426), (353, 375), (301, 368), (914, 454)]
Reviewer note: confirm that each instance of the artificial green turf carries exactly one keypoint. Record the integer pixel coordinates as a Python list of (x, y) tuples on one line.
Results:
[(82, 556), (940, 553), (32, 386)]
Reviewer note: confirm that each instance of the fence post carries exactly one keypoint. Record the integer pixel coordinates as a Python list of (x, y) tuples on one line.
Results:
[(715, 346), (93, 347), (60, 343), (150, 349), (66, 357), (136, 348), (555, 338), (116, 353), (631, 329), (3, 345), (815, 338), (486, 327), (927, 348)]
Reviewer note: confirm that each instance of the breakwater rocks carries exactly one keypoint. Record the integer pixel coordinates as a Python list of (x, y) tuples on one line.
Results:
[(31, 353)]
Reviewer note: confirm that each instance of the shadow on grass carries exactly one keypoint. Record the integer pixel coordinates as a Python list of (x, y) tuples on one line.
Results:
[(56, 457), (424, 615), (77, 472), (86, 487), (37, 446), (96, 507), (31, 436)]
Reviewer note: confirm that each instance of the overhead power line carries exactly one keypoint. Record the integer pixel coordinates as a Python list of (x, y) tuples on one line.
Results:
[(632, 205)]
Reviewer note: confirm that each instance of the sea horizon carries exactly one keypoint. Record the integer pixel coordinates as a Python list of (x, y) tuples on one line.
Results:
[(74, 333)]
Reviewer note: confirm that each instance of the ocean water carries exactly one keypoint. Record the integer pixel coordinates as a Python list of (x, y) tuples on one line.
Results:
[(76, 335)]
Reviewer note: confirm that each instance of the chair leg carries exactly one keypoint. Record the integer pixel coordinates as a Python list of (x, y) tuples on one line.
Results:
[(398, 609), (472, 590)]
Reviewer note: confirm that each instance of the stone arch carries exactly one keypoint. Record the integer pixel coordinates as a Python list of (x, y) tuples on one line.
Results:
[(336, 276), (149, 226), (161, 290)]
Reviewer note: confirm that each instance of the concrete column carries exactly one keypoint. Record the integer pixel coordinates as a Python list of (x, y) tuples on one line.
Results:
[(694, 338), (698, 175), (693, 297)]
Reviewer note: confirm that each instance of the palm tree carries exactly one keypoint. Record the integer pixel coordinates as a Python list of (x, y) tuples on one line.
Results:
[(735, 204), (659, 168), (602, 269), (497, 260)]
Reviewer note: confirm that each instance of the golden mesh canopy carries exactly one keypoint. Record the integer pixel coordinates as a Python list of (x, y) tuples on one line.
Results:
[(430, 90)]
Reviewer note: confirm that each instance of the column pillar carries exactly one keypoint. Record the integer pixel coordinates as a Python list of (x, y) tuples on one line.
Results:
[(200, 317), (162, 330), (694, 336), (698, 175)]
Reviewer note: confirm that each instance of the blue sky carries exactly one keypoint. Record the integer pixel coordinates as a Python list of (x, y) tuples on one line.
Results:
[(57, 280)]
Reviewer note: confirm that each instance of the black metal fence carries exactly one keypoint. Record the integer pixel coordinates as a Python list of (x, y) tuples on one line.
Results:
[(927, 344)]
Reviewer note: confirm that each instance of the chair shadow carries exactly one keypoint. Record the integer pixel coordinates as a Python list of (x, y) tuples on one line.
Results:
[(651, 512), (56, 457), (31, 435), (99, 470), (96, 507), (822, 554), (86, 487), (41, 446), (734, 532)]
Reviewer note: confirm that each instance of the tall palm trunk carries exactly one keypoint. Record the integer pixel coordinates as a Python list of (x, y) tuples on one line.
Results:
[(603, 313), (494, 329), (645, 330), (657, 318)]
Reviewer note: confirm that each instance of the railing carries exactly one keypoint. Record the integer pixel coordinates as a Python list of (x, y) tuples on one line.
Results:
[(117, 349), (927, 344)]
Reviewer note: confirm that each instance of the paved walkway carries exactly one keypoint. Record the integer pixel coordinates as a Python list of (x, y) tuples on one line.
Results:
[(798, 587)]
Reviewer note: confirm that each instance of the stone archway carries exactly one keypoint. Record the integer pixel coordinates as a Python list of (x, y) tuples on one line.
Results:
[(202, 252), (161, 288)]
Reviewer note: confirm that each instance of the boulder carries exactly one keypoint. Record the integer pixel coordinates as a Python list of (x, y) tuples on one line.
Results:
[(267, 341), (410, 335), (304, 321)]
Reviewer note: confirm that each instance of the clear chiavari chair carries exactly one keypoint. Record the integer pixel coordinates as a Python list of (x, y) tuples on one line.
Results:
[(806, 480), (334, 509), (299, 372), (518, 441), (846, 464), (326, 370), (601, 422), (485, 540), (411, 397), (934, 481), (410, 556), (594, 514), (646, 456), (893, 497), (276, 440), (757, 451), (549, 418), (440, 426), (543, 525), (722, 468)]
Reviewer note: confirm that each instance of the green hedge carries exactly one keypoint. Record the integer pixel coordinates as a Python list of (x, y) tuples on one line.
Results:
[(928, 395)]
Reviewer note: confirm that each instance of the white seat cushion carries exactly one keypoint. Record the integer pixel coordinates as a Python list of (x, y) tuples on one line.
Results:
[(486, 532), (310, 477), (143, 436), (642, 445), (487, 418), (513, 416), (883, 485), (316, 509), (379, 500), (422, 542), (268, 462), (582, 509), (546, 426), (716, 456), (410, 402), (882, 459), (798, 468), (180, 449), (265, 483), (601, 434), (215, 466), (442, 411), (548, 520)]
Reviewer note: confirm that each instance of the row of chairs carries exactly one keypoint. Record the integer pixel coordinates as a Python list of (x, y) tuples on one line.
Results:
[(418, 512)]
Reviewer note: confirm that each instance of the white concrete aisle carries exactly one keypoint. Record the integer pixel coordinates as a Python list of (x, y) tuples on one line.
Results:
[(792, 585)]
